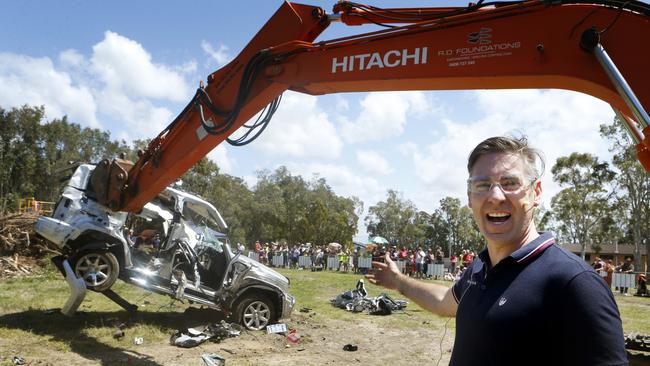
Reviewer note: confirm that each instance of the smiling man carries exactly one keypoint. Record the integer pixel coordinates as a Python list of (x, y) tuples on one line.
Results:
[(524, 300)]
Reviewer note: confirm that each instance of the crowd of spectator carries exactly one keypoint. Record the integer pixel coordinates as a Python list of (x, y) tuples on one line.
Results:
[(290, 254), (606, 269), (414, 262)]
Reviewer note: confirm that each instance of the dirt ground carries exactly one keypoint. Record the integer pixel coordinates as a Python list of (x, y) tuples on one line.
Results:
[(320, 343)]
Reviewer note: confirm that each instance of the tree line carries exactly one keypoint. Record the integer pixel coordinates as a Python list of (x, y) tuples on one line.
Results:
[(600, 203)]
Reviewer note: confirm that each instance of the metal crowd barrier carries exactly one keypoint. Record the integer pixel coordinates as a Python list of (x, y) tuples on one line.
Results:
[(624, 280), (364, 262), (437, 270), (401, 264), (254, 256), (332, 262), (304, 261), (277, 261)]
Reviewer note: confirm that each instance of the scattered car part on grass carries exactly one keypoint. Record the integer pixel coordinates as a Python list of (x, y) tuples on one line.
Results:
[(191, 337), (174, 246), (354, 297), (385, 305), (17, 360), (213, 359), (637, 342), (293, 336), (350, 347), (276, 328), (118, 334), (188, 338), (357, 300), (138, 341)]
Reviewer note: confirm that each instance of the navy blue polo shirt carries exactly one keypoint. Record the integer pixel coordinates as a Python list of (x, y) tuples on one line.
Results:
[(542, 305)]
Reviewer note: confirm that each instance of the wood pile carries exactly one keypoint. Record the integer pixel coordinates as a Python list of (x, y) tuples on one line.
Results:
[(14, 266), (20, 246)]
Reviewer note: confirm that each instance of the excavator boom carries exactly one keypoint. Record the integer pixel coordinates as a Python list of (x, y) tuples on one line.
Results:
[(527, 44)]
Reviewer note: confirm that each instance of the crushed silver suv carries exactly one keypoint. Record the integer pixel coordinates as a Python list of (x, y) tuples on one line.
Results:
[(174, 246)]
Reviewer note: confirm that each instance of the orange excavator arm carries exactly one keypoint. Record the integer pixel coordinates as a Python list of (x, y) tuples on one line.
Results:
[(595, 49)]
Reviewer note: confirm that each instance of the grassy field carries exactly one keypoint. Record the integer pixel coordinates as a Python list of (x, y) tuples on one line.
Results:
[(29, 330)]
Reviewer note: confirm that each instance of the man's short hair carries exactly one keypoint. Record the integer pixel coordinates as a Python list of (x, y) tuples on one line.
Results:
[(512, 145)]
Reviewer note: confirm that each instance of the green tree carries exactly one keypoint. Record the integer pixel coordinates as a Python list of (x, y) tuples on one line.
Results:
[(8, 131), (462, 232), (268, 209), (228, 194), (63, 144), (200, 179), (341, 214), (295, 199), (21, 152), (633, 195), (435, 230), (393, 219), (582, 205), (234, 200)]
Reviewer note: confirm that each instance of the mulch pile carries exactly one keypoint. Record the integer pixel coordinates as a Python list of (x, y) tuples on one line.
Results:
[(22, 251)]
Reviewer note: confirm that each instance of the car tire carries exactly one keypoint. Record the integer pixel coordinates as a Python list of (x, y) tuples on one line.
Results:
[(98, 269), (255, 312)]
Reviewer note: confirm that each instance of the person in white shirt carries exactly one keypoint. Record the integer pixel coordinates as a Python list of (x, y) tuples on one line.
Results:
[(419, 263)]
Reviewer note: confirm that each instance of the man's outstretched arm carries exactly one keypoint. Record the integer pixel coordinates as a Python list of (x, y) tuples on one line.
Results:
[(435, 298)]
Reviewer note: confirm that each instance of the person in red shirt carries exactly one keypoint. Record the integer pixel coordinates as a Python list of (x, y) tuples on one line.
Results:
[(609, 272), (454, 261), (414, 256)]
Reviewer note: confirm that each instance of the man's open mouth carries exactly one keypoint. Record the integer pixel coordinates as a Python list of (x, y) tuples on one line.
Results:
[(497, 217)]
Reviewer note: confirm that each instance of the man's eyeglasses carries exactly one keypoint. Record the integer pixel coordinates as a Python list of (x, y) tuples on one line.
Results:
[(508, 184)]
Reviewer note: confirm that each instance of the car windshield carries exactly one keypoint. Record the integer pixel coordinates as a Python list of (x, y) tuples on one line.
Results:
[(206, 228), (211, 238), (200, 215)]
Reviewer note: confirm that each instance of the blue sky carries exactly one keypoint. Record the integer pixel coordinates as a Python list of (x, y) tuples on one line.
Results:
[(130, 68)]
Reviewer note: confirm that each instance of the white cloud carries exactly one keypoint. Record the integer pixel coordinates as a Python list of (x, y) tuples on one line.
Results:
[(407, 148), (220, 156), (384, 115), (299, 128), (138, 118), (342, 180), (220, 55), (71, 58), (342, 104), (35, 81), (188, 67), (557, 122), (372, 162), (126, 68)]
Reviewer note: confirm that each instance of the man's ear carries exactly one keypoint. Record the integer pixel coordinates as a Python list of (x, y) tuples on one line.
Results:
[(537, 191), (469, 200)]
